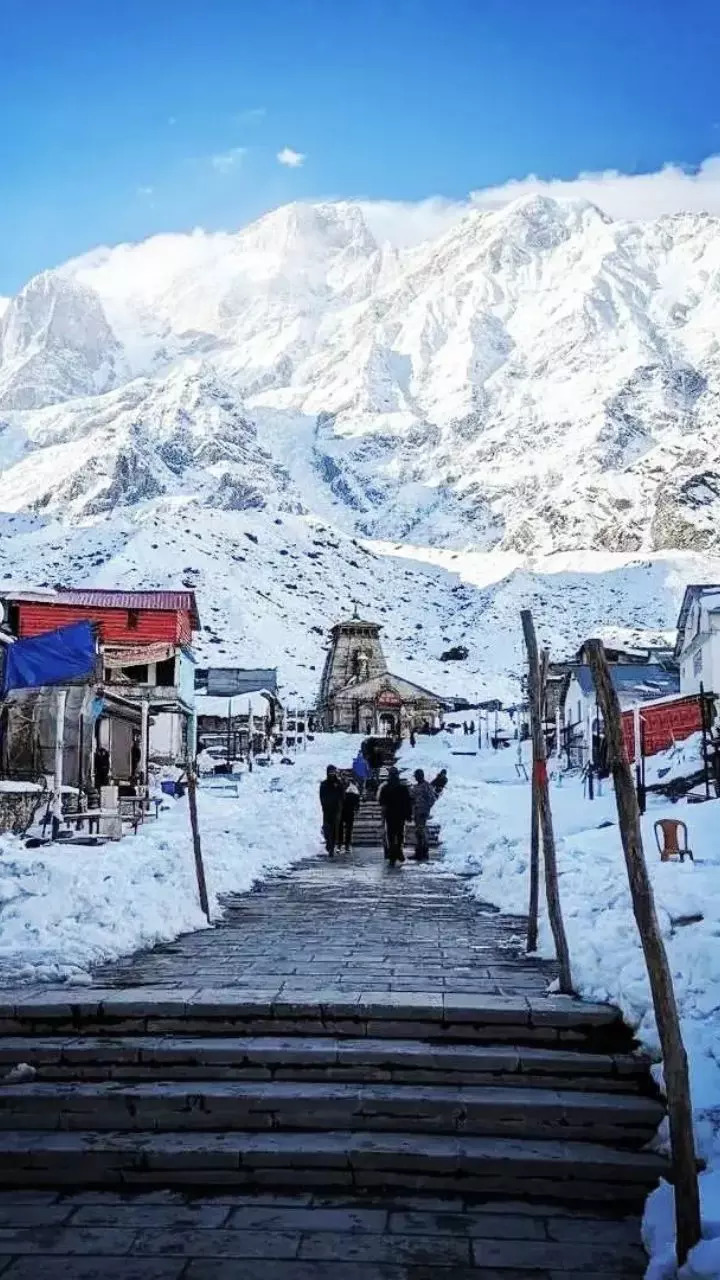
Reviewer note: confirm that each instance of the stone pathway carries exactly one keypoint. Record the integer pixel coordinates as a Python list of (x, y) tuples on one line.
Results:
[(349, 923), (358, 1074)]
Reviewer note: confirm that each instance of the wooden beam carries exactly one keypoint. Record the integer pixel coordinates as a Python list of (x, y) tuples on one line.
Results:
[(197, 849), (677, 1084), (543, 799)]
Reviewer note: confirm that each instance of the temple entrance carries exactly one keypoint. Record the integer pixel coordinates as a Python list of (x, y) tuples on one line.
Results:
[(388, 724)]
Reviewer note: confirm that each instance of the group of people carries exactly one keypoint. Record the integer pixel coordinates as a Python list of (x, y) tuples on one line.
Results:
[(399, 803), (339, 805)]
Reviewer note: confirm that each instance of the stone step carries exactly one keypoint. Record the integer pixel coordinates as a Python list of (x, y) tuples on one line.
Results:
[(224, 1106), (517, 1168), (559, 1021), (322, 1058)]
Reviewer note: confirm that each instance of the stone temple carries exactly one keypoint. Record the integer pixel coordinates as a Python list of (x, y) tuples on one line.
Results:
[(359, 695)]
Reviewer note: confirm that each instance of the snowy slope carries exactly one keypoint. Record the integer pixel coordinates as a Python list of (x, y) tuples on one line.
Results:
[(536, 382)]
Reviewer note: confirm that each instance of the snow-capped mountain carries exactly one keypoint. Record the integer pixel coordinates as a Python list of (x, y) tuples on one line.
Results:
[(538, 380)]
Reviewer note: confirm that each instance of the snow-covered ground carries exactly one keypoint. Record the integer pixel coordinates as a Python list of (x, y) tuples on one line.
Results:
[(485, 818), (63, 910)]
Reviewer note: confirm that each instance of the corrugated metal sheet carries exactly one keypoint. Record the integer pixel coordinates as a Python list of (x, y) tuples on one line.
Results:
[(100, 597), (663, 724), (226, 682), (150, 625)]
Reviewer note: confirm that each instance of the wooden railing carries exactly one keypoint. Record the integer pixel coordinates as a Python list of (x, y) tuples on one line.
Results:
[(677, 1084)]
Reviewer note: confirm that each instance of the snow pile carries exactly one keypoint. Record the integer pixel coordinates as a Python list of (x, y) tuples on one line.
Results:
[(63, 910), (485, 818)]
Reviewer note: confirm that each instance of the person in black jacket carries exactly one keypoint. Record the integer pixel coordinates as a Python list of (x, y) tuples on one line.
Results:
[(350, 805), (331, 799), (396, 805)]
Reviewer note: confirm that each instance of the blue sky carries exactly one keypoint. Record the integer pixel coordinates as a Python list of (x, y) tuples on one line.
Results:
[(120, 118)]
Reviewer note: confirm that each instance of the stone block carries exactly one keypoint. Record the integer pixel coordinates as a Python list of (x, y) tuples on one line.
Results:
[(307, 1219), (94, 1268), (191, 1243)]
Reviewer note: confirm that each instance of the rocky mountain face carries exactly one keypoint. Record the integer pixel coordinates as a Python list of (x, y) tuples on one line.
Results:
[(538, 380)]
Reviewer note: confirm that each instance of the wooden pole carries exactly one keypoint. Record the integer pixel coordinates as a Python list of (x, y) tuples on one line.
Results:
[(677, 1084), (534, 904), (532, 930), (546, 824), (197, 849)]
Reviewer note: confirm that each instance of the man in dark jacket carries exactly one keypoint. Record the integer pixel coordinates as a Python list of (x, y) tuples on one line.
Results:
[(350, 806), (331, 798), (396, 805), (423, 799)]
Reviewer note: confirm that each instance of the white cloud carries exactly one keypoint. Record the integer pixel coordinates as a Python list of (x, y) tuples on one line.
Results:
[(641, 196), (146, 192), (293, 159), (172, 120), (671, 189), (226, 161)]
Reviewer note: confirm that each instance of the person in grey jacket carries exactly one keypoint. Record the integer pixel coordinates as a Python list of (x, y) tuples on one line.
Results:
[(423, 798)]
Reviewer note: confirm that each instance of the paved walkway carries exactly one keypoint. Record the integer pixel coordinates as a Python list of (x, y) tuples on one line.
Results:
[(351, 922), (349, 927)]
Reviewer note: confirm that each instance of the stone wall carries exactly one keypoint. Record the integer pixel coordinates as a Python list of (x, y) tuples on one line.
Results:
[(17, 809)]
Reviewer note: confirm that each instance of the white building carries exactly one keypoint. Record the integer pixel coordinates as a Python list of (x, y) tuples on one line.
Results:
[(698, 638)]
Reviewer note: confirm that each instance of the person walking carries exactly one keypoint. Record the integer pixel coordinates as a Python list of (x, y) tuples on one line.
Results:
[(361, 771), (423, 798), (396, 805), (439, 782), (331, 799), (350, 806)]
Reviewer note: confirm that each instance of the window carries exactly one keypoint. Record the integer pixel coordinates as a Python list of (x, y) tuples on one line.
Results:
[(133, 619), (165, 672), (697, 662)]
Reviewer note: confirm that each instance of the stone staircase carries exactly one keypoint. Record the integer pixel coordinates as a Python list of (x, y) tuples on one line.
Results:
[(525, 1096), (347, 1030), (368, 829)]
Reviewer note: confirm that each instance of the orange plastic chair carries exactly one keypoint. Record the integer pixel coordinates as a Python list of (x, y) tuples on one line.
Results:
[(670, 845)]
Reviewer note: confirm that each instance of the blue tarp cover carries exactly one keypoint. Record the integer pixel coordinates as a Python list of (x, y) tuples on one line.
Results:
[(52, 658)]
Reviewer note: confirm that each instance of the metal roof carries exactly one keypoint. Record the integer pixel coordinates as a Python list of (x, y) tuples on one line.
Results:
[(113, 598), (356, 622), (632, 681)]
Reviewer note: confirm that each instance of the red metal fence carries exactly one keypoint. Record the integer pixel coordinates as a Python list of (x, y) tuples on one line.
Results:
[(663, 723)]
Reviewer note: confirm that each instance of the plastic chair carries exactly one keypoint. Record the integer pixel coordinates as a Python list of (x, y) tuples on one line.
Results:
[(670, 845)]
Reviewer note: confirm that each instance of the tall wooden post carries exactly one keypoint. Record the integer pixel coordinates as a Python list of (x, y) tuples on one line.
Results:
[(197, 849), (543, 794), (534, 904), (677, 1084)]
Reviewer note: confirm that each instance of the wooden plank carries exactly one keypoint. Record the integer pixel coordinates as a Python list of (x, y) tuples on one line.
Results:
[(543, 799), (677, 1084)]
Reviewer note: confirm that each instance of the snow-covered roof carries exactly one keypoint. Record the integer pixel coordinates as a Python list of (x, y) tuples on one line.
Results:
[(211, 705), (634, 683), (692, 592)]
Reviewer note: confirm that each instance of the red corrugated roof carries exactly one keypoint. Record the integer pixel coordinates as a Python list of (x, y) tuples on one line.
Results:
[(100, 597)]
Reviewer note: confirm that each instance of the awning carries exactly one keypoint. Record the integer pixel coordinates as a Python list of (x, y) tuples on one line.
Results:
[(137, 655)]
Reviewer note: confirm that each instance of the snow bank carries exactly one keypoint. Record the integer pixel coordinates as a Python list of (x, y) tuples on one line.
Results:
[(485, 817), (63, 910)]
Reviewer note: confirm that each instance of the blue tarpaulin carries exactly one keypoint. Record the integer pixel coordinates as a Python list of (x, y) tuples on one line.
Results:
[(53, 658)]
